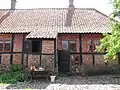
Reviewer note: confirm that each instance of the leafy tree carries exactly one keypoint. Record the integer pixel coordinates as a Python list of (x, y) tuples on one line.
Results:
[(111, 42)]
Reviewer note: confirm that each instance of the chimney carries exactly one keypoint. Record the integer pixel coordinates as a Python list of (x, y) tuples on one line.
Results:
[(71, 3), (70, 14), (13, 4)]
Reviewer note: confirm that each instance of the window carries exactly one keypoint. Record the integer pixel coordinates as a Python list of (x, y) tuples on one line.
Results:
[(69, 45), (72, 46), (91, 45), (35, 46), (65, 45), (5, 45)]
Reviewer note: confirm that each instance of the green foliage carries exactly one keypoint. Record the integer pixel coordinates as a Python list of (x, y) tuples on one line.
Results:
[(12, 77), (111, 42), (116, 4), (16, 67)]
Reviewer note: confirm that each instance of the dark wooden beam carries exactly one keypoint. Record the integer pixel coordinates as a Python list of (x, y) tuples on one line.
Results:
[(93, 59), (27, 60), (40, 51), (80, 48), (55, 52), (118, 58), (12, 46), (22, 49), (0, 58)]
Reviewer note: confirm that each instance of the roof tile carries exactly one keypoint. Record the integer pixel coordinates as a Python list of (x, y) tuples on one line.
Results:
[(46, 23)]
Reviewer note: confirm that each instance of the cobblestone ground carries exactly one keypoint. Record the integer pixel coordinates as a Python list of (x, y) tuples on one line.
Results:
[(103, 82)]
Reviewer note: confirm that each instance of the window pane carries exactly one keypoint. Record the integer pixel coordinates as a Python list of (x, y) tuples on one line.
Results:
[(72, 46), (7, 46), (35, 46), (89, 41), (65, 45), (1, 45), (96, 42)]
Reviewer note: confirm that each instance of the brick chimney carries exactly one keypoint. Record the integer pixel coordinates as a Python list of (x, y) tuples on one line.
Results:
[(13, 4), (71, 3), (70, 14)]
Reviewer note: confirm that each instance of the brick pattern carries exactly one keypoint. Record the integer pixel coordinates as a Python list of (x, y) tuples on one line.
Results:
[(74, 62), (17, 43), (47, 62), (87, 59), (99, 60), (5, 36), (48, 46), (17, 58), (33, 59), (5, 59)]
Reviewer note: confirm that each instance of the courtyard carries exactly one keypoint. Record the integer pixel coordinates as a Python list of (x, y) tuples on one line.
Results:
[(101, 82)]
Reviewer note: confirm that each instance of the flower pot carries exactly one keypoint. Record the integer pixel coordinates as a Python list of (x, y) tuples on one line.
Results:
[(52, 78)]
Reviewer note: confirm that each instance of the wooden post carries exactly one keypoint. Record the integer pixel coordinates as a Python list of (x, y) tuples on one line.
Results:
[(55, 52), (118, 58), (93, 58), (22, 49), (12, 46), (80, 48), (0, 58), (40, 51)]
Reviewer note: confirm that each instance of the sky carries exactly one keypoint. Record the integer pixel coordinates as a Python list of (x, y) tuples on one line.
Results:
[(103, 6)]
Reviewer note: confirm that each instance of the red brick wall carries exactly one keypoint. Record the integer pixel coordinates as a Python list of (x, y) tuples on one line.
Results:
[(87, 59), (5, 36), (48, 46), (85, 37), (17, 43), (5, 57), (17, 58), (16, 48)]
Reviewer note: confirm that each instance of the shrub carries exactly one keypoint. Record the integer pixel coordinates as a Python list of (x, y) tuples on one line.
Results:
[(16, 67), (12, 77)]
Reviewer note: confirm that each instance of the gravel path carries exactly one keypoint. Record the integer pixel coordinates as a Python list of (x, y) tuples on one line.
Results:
[(103, 82)]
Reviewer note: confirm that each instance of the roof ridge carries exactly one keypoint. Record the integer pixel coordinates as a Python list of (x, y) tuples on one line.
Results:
[(47, 8)]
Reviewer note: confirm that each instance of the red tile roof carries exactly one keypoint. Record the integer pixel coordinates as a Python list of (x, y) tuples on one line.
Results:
[(47, 22)]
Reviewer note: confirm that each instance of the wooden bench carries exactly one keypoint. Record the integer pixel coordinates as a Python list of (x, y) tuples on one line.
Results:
[(38, 73)]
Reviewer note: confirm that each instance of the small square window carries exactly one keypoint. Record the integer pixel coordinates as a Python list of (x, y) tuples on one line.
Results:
[(1, 46), (91, 45), (35, 46), (7, 46), (72, 46), (65, 45)]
